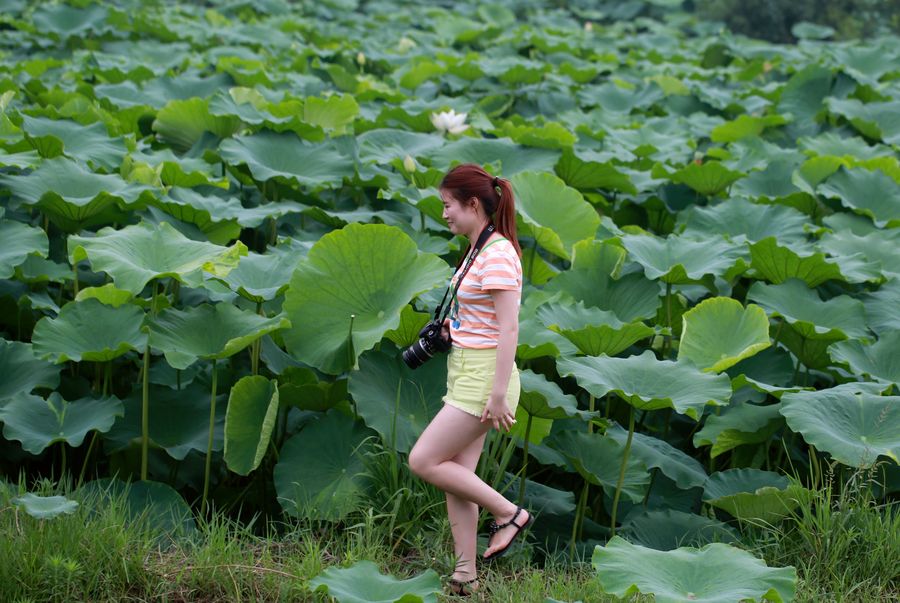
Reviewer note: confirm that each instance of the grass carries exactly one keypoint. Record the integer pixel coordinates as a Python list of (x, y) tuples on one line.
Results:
[(845, 546)]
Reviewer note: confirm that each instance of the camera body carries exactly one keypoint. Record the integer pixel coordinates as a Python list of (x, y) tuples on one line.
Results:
[(430, 342)]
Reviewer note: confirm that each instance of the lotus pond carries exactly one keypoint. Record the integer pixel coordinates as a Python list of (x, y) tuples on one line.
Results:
[(219, 228)]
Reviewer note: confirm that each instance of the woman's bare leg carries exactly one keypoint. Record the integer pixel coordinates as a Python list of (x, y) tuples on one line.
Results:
[(463, 515), (450, 432)]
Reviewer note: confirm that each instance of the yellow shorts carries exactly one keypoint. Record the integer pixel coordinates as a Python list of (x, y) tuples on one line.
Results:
[(470, 378)]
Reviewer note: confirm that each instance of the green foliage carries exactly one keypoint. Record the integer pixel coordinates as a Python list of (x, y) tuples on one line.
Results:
[(240, 256)]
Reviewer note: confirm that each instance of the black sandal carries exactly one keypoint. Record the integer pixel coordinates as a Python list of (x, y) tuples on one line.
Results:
[(461, 585), (494, 527)]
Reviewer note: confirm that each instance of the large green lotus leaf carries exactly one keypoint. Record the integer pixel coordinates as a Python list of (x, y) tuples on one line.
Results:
[(108, 294), (880, 361), (877, 120), (139, 253), (215, 216), (262, 277), (74, 334), (714, 573), (19, 241), (544, 399), (252, 408), (536, 340), (744, 126), (681, 259), (738, 424), (594, 278), (21, 372), (751, 494), (667, 529), (208, 332), (598, 459), (73, 197), (333, 113), (649, 384), (803, 96), (45, 507), (395, 401), (539, 497), (768, 371), (684, 470), (867, 63), (321, 472), (269, 154), (881, 307), (411, 322), (21, 160), (505, 153), (660, 138), (556, 215), (63, 21), (383, 144), (38, 423), (592, 330), (89, 143), (709, 178), (850, 422), (586, 169), (183, 122), (719, 332), (364, 583), (156, 505), (837, 318), (870, 193), (834, 144), (362, 274), (878, 250), (742, 218), (178, 421), (778, 263)]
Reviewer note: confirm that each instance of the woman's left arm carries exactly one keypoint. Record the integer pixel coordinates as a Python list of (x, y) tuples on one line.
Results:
[(506, 303), (497, 409)]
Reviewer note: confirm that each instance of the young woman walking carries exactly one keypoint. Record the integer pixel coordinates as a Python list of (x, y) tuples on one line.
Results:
[(482, 377)]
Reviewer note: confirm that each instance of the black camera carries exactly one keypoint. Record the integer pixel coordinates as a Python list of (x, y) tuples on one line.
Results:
[(430, 342)]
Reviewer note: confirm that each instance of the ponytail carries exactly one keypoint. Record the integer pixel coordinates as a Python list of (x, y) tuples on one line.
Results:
[(496, 195), (506, 213)]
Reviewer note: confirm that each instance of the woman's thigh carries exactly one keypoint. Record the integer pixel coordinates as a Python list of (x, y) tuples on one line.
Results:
[(451, 433)]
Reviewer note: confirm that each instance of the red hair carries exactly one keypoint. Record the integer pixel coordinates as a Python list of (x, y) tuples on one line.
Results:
[(468, 180)]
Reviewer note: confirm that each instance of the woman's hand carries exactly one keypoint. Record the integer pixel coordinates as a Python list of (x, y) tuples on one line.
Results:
[(497, 410), (445, 330)]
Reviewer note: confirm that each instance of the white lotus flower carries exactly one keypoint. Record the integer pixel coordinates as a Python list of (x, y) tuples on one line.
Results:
[(449, 121)]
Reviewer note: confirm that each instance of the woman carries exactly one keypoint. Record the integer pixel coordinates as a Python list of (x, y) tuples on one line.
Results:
[(482, 378)]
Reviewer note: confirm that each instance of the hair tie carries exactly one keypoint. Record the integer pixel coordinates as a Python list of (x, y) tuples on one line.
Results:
[(497, 185)]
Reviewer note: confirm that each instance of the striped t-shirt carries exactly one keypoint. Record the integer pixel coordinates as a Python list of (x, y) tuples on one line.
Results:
[(497, 266)]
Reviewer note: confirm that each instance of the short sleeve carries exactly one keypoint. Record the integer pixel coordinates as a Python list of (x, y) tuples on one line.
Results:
[(501, 270)]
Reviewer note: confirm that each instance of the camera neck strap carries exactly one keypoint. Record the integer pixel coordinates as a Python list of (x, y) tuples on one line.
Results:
[(479, 245)]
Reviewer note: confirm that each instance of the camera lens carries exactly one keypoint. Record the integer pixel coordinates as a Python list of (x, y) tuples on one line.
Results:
[(415, 355)]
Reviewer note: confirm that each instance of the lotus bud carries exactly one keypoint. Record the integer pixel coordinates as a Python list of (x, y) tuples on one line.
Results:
[(698, 157), (588, 26), (409, 164), (361, 59), (405, 44)]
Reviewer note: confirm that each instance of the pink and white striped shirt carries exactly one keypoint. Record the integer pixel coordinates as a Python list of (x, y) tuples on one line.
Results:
[(473, 318)]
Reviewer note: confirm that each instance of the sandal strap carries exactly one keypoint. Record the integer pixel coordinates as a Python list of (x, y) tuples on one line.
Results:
[(494, 526), (461, 582)]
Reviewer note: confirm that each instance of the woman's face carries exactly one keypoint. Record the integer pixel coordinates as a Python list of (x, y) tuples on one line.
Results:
[(461, 218)]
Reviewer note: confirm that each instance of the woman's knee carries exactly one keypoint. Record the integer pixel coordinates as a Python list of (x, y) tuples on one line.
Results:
[(418, 461)]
